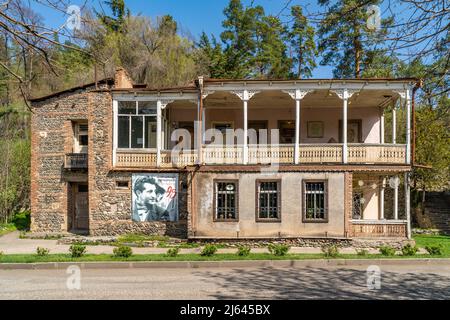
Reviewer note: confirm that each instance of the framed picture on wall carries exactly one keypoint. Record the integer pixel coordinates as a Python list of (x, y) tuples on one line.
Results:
[(315, 129)]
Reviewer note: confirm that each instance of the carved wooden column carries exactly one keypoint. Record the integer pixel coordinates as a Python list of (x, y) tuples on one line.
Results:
[(245, 96), (297, 95)]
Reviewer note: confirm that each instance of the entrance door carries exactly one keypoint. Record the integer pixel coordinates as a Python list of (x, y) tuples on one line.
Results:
[(81, 210)]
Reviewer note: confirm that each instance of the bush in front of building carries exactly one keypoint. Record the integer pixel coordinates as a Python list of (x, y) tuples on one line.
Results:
[(22, 220), (77, 250), (409, 250), (387, 250), (435, 250), (209, 250), (172, 252), (42, 252), (122, 252), (278, 249), (330, 251), (243, 251)]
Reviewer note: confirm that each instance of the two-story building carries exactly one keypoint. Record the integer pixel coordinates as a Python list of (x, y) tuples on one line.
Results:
[(225, 159)]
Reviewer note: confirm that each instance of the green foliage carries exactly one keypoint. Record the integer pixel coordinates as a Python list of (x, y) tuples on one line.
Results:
[(409, 250), (345, 42), (42, 252), (387, 250), (362, 252), (330, 251), (303, 43), (22, 220), (432, 149), (243, 251), (123, 251), (77, 250), (278, 249), (6, 228), (435, 250), (208, 250), (172, 252)]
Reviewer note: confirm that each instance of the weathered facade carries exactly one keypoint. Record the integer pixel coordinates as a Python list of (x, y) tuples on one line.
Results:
[(103, 160)]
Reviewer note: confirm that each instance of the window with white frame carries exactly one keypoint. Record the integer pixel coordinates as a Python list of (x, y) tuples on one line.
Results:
[(268, 199), (226, 200), (136, 124), (315, 201)]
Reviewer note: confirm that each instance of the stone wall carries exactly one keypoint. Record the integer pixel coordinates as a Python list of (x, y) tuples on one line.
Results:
[(110, 206), (52, 138)]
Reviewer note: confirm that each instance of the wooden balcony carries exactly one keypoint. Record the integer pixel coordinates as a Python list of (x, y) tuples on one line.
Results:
[(266, 154), (378, 228), (76, 161)]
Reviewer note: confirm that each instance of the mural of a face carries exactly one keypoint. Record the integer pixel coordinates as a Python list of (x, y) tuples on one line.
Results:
[(148, 196)]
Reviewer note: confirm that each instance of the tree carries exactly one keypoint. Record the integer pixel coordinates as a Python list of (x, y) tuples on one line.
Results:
[(271, 60), (344, 39), (303, 43), (238, 38), (120, 13)]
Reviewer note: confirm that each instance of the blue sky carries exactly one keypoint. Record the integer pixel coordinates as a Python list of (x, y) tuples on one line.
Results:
[(194, 16)]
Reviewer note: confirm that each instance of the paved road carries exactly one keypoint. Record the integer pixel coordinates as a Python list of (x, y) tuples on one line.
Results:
[(397, 282)]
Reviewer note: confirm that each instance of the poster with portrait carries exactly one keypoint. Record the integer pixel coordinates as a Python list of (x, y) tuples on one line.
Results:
[(155, 197)]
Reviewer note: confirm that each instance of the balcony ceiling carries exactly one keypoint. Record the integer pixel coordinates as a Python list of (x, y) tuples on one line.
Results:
[(279, 99)]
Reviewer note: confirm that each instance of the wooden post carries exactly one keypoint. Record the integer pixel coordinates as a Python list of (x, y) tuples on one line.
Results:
[(158, 133), (344, 128)]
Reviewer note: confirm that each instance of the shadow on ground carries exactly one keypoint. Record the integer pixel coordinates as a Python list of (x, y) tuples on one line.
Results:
[(319, 283)]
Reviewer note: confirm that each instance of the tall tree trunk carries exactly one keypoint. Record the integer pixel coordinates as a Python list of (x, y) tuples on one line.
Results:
[(358, 50), (300, 62)]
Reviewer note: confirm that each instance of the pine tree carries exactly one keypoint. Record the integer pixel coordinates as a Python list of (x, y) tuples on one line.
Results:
[(303, 44), (344, 39)]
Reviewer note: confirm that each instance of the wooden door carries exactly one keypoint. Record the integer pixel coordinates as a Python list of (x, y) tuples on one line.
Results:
[(81, 208)]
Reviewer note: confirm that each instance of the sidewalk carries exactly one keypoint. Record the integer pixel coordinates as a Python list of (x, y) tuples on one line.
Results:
[(12, 244)]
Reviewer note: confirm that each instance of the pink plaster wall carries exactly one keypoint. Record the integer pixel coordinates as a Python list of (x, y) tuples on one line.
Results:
[(330, 116)]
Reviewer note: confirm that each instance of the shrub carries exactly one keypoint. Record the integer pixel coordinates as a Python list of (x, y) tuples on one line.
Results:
[(409, 250), (278, 249), (362, 252), (209, 250), (22, 220), (434, 250), (387, 250), (77, 250), (1, 253), (123, 251), (331, 251), (172, 252), (243, 251), (42, 251)]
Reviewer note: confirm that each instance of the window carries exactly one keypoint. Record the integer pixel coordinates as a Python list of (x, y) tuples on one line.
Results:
[(122, 184), (226, 200), (268, 200), (358, 201), (315, 201), (287, 131), (258, 125), (136, 124)]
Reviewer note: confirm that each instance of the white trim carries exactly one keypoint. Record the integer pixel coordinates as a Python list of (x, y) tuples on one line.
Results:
[(396, 202), (344, 127), (386, 221), (154, 96), (407, 205), (408, 127), (115, 130), (382, 126), (394, 125), (297, 132), (158, 133)]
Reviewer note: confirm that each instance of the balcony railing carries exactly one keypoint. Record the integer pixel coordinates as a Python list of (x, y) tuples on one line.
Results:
[(378, 228), (76, 161), (266, 154)]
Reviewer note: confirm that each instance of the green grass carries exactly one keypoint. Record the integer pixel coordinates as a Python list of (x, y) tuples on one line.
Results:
[(423, 240), (7, 228), (139, 239), (33, 258)]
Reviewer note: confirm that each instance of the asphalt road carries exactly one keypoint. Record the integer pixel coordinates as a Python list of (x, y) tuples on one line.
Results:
[(397, 282)]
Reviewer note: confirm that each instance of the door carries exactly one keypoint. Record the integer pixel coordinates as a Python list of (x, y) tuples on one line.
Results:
[(81, 212)]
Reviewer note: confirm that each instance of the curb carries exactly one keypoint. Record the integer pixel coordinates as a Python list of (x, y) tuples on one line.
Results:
[(315, 263)]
